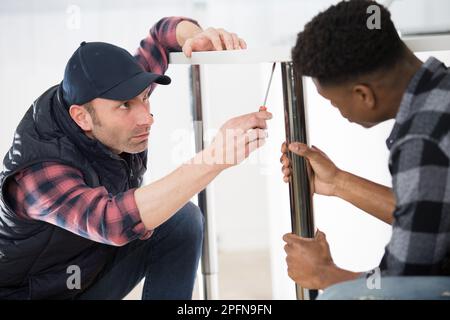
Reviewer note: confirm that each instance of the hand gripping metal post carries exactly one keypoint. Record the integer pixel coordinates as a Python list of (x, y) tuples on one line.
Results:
[(302, 216)]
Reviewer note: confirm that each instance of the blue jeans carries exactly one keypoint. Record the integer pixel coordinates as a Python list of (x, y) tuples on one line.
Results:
[(391, 288), (168, 261)]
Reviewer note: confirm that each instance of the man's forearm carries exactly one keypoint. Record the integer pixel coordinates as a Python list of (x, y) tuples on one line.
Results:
[(371, 197), (158, 201), (336, 275), (185, 30)]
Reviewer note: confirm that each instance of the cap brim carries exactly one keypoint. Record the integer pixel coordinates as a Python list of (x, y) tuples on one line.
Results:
[(132, 87)]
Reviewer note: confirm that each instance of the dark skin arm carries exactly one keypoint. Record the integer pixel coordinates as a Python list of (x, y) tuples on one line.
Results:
[(309, 260), (329, 180)]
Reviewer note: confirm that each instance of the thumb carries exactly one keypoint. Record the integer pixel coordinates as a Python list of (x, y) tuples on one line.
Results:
[(303, 150), (297, 147), (320, 151), (320, 235), (187, 48)]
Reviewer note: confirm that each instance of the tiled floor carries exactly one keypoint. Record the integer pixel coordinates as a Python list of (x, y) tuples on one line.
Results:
[(242, 275)]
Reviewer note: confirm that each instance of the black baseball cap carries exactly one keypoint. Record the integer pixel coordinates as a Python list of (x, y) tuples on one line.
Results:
[(103, 70)]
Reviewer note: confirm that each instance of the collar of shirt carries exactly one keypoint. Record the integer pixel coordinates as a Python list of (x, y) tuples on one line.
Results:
[(426, 71)]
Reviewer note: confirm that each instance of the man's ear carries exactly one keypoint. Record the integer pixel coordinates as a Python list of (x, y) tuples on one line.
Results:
[(81, 116), (364, 95)]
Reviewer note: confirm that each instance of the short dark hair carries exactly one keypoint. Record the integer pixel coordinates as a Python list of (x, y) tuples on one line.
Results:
[(337, 46)]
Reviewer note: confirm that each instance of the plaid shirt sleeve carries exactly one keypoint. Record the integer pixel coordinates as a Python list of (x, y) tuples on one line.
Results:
[(153, 52), (420, 171), (57, 194)]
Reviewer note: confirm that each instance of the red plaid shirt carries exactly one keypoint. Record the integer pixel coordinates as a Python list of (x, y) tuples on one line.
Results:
[(57, 193)]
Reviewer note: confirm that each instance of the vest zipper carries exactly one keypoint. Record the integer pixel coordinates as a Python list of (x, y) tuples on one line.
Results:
[(130, 170)]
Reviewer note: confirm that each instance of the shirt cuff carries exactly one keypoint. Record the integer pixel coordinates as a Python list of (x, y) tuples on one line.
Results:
[(174, 46), (128, 205)]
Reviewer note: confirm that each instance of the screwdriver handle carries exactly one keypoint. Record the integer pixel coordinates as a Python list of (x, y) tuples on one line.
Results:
[(263, 108)]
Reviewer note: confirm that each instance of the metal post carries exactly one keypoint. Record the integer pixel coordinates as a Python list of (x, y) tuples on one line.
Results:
[(302, 217), (209, 261)]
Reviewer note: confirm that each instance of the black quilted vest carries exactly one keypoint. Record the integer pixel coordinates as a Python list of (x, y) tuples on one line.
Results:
[(35, 255)]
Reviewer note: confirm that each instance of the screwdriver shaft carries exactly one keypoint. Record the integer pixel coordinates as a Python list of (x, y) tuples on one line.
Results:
[(268, 86)]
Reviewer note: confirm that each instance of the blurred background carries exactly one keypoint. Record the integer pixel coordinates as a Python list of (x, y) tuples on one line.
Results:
[(250, 202)]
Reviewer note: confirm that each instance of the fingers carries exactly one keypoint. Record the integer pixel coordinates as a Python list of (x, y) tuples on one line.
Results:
[(231, 40), (286, 168), (298, 148), (213, 35), (253, 139), (187, 47), (252, 146), (320, 235), (226, 38), (254, 120), (243, 135), (222, 39), (242, 44), (291, 238), (235, 39), (286, 172), (288, 238), (286, 163), (255, 134), (248, 142), (213, 39), (303, 150)]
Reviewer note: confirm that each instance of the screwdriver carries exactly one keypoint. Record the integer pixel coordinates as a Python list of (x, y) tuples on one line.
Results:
[(263, 107)]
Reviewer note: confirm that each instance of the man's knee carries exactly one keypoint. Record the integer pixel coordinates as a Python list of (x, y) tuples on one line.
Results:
[(191, 222), (196, 221)]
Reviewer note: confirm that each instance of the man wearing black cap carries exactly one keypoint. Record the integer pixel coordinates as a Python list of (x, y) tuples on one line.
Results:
[(75, 222)]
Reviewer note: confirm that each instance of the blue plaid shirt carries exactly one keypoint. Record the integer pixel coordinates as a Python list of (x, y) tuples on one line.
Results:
[(420, 166)]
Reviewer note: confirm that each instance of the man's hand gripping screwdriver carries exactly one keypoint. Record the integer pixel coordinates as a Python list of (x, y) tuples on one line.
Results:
[(263, 107)]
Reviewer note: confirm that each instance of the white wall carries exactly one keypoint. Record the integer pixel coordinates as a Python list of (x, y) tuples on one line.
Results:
[(251, 201)]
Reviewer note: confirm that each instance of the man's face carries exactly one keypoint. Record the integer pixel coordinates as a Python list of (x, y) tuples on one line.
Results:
[(123, 126), (351, 103)]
